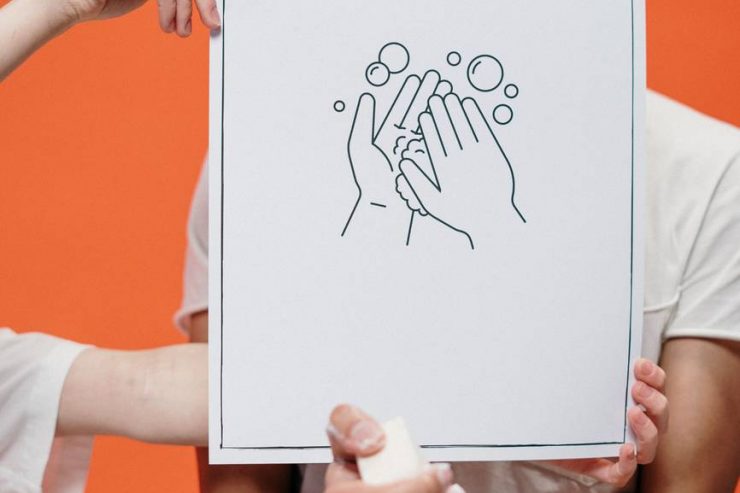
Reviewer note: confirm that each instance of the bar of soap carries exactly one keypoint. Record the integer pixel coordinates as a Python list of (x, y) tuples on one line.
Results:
[(400, 458)]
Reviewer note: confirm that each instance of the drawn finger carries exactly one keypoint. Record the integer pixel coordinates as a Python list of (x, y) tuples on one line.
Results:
[(421, 100), (646, 434), (475, 117), (403, 101), (425, 191), (443, 88), (167, 10), (208, 11), (364, 122), (183, 18), (432, 138), (444, 125), (460, 121)]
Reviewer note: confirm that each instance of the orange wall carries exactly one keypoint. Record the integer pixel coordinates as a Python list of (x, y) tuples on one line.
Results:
[(102, 134)]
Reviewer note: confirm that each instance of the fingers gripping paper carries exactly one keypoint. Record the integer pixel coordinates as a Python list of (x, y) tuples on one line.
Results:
[(426, 208)]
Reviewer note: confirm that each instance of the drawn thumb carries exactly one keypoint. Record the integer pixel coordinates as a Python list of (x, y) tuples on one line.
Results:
[(363, 126)]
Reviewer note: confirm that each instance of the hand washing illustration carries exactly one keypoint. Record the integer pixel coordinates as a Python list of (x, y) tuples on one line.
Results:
[(433, 152)]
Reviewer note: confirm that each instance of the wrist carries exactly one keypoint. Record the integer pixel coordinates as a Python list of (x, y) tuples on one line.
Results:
[(58, 16)]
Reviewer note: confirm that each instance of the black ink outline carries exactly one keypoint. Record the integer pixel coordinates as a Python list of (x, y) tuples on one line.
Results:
[(502, 106), (514, 87), (369, 72), (394, 43), (454, 54), (481, 446), (474, 65), (351, 162), (339, 106)]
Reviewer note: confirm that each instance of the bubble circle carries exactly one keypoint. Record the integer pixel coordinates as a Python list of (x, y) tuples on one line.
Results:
[(511, 91), (377, 74), (395, 57), (339, 106), (503, 114), (485, 73), (454, 58)]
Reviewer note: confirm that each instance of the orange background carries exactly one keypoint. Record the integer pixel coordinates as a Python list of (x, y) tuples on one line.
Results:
[(102, 134)]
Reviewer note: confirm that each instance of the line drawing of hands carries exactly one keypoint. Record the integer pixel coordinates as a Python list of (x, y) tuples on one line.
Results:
[(401, 122), (473, 181), (373, 172)]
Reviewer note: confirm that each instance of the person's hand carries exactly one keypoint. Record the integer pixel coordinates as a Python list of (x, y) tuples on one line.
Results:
[(354, 434), (176, 15), (475, 183), (647, 424)]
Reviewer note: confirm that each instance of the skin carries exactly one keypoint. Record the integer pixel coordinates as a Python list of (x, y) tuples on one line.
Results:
[(647, 425), (158, 395), (701, 452), (233, 479), (354, 434), (26, 25)]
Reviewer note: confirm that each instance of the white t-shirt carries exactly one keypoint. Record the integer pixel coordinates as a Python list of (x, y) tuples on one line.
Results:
[(692, 264), (33, 368)]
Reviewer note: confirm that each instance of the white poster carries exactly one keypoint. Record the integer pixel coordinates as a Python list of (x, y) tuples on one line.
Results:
[(428, 208)]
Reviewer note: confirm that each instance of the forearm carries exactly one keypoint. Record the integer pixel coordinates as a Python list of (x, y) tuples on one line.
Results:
[(158, 396), (25, 25), (700, 452)]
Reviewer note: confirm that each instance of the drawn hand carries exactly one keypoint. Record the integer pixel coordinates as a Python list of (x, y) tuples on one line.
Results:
[(647, 425), (372, 170), (401, 122), (354, 434), (474, 181)]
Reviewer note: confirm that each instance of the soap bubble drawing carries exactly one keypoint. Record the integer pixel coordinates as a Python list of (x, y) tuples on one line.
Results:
[(427, 145), (503, 114), (377, 74), (485, 73), (454, 58), (395, 57)]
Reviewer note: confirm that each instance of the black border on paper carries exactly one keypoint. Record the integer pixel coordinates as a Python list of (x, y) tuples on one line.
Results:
[(465, 445)]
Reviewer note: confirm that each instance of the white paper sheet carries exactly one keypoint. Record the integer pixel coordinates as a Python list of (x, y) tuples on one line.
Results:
[(488, 288)]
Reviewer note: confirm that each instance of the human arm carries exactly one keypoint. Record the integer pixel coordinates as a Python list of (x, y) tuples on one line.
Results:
[(26, 25), (701, 452), (228, 479), (158, 395)]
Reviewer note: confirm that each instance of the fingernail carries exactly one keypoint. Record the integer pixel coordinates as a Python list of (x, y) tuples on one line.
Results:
[(443, 472), (643, 390), (455, 488), (189, 27), (366, 434), (171, 26)]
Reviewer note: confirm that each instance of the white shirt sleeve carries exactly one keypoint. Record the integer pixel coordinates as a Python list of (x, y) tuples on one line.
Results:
[(709, 303), (195, 285), (33, 368)]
